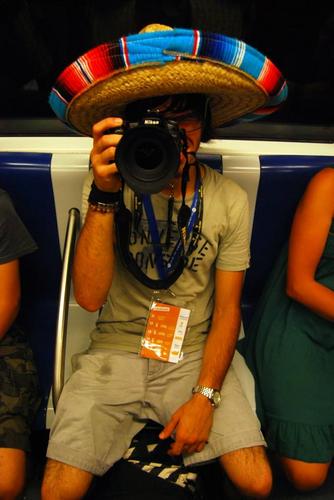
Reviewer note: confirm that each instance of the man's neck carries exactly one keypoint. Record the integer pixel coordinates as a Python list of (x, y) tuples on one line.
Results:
[(175, 185)]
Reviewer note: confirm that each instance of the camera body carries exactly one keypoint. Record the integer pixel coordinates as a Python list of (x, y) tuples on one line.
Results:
[(148, 154)]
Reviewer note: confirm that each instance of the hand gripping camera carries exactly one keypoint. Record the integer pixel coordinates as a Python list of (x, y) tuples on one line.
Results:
[(148, 154)]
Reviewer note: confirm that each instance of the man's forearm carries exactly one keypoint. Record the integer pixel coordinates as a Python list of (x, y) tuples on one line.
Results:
[(194, 418), (94, 260), (220, 347)]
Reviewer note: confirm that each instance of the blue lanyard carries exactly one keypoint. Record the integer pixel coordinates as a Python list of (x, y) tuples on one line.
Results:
[(162, 269), (154, 235), (194, 214)]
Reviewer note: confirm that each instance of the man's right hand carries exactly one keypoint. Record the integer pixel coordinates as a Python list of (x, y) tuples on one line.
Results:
[(102, 156)]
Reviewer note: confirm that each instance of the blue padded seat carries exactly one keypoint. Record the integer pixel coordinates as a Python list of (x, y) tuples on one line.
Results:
[(283, 179), (213, 161), (27, 179)]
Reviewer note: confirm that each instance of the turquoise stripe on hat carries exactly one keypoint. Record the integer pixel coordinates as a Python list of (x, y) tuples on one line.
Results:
[(277, 99), (253, 62), (152, 47), (239, 54), (227, 50), (58, 105)]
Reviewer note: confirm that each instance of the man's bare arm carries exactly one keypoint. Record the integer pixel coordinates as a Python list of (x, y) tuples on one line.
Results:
[(192, 422), (94, 257), (10, 292)]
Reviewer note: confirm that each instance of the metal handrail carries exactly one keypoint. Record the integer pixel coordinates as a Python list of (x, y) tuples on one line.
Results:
[(64, 297)]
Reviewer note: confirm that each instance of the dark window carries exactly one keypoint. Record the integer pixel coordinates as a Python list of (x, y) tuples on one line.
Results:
[(39, 38)]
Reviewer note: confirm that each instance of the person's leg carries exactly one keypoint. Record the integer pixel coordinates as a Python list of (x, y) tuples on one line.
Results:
[(235, 435), (19, 401), (249, 471), (64, 482), (305, 476), (12, 472), (94, 421)]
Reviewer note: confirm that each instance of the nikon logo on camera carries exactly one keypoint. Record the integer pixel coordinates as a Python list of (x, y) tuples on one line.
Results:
[(150, 121)]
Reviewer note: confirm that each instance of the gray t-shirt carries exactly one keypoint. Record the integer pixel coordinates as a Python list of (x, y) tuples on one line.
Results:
[(224, 244), (15, 242)]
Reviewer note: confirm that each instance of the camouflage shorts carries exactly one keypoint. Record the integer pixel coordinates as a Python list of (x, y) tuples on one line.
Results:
[(19, 393)]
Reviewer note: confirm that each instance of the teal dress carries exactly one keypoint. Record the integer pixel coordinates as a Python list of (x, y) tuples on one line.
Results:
[(290, 351)]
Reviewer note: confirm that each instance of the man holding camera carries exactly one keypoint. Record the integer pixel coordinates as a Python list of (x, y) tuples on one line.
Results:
[(162, 254)]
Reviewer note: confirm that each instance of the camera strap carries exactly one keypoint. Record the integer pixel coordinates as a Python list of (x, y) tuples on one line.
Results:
[(169, 273), (188, 218), (189, 222), (123, 219), (138, 212)]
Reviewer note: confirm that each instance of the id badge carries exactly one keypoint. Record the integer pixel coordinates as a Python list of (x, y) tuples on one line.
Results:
[(165, 329)]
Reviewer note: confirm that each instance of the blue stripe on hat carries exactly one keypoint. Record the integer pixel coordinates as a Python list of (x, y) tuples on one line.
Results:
[(277, 99), (253, 62), (159, 43)]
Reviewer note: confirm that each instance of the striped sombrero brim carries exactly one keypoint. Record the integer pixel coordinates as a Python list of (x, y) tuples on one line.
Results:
[(241, 82)]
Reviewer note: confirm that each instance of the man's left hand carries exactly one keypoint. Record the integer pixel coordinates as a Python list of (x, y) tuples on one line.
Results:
[(192, 424)]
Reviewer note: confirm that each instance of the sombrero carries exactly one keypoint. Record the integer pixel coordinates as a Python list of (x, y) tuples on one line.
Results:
[(241, 83)]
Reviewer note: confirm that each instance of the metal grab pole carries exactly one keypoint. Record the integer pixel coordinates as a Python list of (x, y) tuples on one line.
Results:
[(64, 297)]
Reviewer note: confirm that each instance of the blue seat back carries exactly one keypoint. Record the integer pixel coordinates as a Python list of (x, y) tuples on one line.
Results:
[(283, 179), (27, 179)]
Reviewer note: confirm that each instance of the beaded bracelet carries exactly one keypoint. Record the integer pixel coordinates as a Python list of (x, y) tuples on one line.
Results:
[(104, 208)]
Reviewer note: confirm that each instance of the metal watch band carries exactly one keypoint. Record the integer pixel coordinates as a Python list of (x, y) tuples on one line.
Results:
[(212, 394)]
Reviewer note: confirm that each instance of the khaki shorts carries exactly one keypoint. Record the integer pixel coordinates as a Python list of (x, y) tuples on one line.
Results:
[(111, 395)]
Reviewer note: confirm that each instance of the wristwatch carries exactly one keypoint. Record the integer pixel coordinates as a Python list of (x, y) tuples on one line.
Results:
[(213, 395)]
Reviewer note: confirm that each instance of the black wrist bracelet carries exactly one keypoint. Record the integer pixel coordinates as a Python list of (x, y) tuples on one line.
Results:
[(104, 197)]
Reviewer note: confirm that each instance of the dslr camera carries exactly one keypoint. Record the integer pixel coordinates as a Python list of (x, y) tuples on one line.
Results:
[(148, 154)]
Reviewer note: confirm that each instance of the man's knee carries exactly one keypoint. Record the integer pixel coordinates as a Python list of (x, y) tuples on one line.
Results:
[(10, 490), (64, 482), (303, 475), (258, 486), (12, 473), (261, 485), (249, 470)]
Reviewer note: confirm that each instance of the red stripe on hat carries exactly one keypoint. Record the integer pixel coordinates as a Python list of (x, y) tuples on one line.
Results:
[(125, 52), (72, 80), (196, 42), (269, 77), (267, 110), (99, 62)]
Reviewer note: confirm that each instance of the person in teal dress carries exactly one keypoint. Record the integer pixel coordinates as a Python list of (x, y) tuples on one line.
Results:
[(289, 345)]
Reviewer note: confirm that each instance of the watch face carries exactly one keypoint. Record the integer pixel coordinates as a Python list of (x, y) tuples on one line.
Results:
[(212, 394), (216, 398)]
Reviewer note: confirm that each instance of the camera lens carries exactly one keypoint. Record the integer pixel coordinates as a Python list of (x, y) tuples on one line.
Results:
[(147, 157)]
